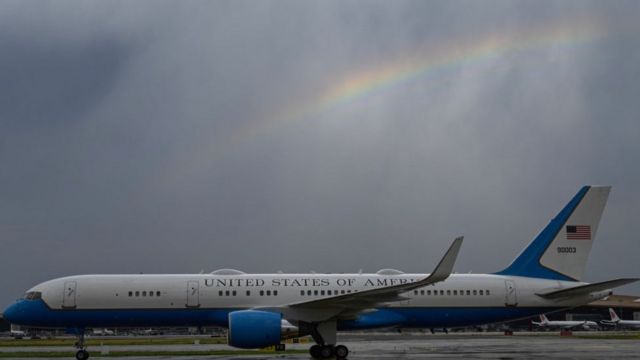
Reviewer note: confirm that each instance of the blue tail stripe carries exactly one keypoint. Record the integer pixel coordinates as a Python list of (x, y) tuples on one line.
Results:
[(528, 263)]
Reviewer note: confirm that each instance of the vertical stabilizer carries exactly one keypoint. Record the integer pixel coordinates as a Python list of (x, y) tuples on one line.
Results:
[(614, 316), (561, 250)]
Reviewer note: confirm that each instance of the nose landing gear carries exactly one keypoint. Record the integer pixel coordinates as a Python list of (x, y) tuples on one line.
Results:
[(82, 353)]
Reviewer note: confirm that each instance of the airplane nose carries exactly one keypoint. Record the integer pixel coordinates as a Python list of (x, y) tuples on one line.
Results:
[(12, 313), (15, 313)]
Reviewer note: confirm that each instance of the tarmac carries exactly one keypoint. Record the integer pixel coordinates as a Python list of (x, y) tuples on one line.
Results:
[(420, 346)]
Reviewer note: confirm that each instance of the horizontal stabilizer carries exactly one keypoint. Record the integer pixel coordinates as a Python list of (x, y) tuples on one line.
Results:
[(586, 289)]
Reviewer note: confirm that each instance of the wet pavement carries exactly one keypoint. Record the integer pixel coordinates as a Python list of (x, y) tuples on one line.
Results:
[(423, 346)]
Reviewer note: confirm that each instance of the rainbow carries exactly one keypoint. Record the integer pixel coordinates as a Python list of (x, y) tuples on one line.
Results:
[(425, 62)]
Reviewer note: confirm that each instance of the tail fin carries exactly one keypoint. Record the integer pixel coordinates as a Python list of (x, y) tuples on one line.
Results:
[(561, 250), (543, 319), (614, 316)]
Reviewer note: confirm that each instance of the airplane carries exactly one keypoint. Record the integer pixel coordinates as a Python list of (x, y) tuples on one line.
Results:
[(546, 323), (103, 332), (261, 310), (16, 332), (616, 321)]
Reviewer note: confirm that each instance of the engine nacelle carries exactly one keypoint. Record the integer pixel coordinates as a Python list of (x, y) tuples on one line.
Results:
[(252, 329)]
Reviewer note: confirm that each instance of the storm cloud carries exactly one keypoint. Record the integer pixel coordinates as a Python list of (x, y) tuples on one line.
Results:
[(172, 137)]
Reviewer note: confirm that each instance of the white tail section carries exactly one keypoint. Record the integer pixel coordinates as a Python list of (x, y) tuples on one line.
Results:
[(614, 316), (568, 251), (543, 319)]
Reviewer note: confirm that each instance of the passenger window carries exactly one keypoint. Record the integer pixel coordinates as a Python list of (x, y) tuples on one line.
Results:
[(441, 292), (481, 292), (315, 292), (233, 293), (220, 293), (248, 293), (301, 292), (475, 292), (342, 292), (468, 292), (275, 292), (157, 293), (130, 293), (448, 292), (137, 293), (261, 292), (415, 292), (268, 292), (421, 292), (428, 292), (322, 292), (455, 292), (309, 292), (328, 292), (150, 293), (226, 293), (487, 292)]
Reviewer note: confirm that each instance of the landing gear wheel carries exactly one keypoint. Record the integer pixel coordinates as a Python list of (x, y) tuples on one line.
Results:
[(82, 355), (341, 352), (314, 351), (326, 351)]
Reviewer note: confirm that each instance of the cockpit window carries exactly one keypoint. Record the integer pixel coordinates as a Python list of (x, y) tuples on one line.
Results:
[(33, 295)]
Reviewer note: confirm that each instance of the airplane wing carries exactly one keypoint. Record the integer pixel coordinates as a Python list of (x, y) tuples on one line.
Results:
[(330, 307), (586, 289)]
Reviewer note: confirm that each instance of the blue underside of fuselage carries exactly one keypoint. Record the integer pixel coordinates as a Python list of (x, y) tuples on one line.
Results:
[(36, 313)]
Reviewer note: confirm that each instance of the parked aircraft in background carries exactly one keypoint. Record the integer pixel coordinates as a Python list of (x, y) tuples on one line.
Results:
[(103, 332), (616, 321), (567, 325), (260, 310), (16, 332)]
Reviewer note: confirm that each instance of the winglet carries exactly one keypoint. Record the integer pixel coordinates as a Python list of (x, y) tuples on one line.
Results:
[(364, 299), (445, 266)]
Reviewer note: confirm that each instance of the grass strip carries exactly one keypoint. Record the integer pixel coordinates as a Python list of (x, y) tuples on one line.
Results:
[(98, 342), (61, 354), (630, 336)]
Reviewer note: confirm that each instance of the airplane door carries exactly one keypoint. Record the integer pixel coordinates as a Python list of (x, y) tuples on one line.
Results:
[(69, 296), (193, 294), (511, 297)]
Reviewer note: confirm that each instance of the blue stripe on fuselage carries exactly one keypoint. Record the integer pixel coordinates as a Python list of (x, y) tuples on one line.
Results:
[(440, 317), (37, 314)]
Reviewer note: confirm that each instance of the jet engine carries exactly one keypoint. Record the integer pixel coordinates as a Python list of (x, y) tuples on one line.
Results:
[(252, 329)]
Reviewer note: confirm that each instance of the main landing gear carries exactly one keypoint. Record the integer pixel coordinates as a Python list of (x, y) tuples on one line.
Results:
[(82, 353), (329, 351), (324, 334)]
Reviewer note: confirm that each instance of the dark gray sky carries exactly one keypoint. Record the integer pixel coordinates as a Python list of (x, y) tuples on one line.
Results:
[(184, 136)]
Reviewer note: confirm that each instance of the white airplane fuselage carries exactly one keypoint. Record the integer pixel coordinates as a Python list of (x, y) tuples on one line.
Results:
[(206, 300)]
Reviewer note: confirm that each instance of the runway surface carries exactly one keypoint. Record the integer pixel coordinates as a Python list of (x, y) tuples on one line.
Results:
[(443, 346)]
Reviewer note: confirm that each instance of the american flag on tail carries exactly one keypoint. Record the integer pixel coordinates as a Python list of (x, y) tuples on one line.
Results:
[(578, 232)]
